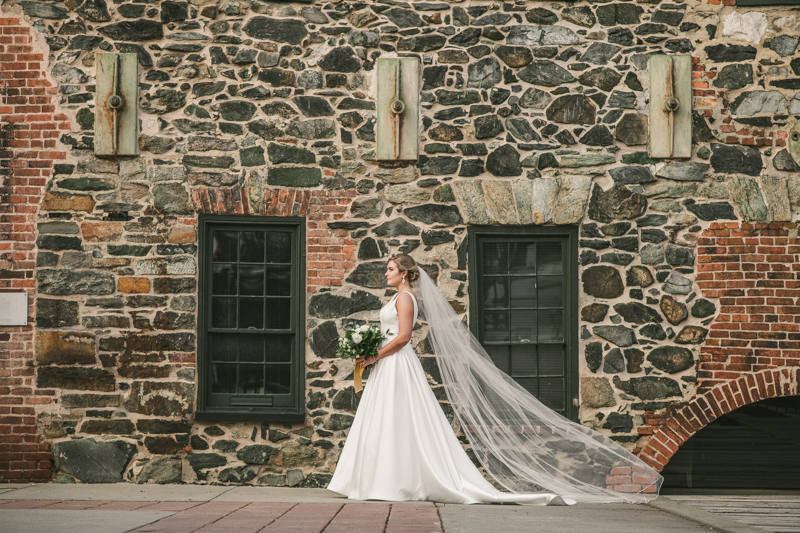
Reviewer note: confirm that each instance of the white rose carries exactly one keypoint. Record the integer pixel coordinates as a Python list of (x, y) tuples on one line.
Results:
[(357, 338), (363, 328)]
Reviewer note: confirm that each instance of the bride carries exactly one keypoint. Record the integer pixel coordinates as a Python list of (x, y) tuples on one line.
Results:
[(401, 446)]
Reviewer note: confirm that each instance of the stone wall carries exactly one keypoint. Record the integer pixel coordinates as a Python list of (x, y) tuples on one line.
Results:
[(532, 114)]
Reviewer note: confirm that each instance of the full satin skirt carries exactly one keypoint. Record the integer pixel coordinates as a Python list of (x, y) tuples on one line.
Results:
[(401, 446)]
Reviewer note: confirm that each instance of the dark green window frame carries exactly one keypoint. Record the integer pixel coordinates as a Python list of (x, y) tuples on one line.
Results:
[(262, 405), (479, 236)]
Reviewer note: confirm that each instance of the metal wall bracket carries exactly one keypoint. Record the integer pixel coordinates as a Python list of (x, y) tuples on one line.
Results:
[(397, 130), (116, 121), (794, 143), (670, 106)]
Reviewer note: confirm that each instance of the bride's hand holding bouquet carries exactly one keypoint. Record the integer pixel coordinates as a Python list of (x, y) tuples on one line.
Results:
[(359, 343)]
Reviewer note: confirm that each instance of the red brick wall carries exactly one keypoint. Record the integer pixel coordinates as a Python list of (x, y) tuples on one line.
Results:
[(753, 349), (331, 253), (29, 132)]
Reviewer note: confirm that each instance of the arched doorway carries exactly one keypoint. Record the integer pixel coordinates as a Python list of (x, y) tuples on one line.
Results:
[(754, 447)]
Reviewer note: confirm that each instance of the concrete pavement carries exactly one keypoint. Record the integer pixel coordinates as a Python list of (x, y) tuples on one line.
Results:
[(122, 508)]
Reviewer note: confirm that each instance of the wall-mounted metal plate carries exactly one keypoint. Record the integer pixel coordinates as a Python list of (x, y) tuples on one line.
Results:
[(397, 130), (116, 121), (13, 309), (670, 106), (794, 143)]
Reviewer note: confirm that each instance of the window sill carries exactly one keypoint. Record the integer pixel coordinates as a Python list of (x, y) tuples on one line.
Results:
[(253, 414)]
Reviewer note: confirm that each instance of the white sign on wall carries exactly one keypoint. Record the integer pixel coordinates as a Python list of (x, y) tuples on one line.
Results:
[(13, 309)]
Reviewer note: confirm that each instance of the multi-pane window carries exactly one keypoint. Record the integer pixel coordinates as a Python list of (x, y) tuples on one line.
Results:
[(522, 309), (251, 322)]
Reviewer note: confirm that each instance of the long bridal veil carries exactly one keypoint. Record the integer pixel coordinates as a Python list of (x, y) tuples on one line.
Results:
[(523, 445)]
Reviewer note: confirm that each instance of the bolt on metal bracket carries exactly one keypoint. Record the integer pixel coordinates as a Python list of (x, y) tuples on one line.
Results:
[(670, 106), (116, 122), (397, 128)]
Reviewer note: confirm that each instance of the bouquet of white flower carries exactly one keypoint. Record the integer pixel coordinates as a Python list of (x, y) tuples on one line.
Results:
[(362, 341)]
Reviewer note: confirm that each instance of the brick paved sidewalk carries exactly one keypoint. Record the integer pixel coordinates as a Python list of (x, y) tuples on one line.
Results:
[(243, 517)]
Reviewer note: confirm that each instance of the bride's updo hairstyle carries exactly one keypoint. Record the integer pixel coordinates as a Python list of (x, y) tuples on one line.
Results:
[(405, 263)]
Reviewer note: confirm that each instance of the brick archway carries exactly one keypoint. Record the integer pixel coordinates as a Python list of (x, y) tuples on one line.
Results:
[(683, 421)]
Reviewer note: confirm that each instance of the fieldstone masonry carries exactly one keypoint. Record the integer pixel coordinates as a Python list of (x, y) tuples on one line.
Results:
[(532, 114)]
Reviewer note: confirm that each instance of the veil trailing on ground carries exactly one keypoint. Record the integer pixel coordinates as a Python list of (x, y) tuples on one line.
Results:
[(525, 446)]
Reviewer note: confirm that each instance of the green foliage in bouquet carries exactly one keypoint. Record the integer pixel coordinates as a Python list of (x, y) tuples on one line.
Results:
[(360, 341)]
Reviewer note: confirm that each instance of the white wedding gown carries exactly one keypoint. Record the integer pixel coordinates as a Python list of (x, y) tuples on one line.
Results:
[(401, 446)]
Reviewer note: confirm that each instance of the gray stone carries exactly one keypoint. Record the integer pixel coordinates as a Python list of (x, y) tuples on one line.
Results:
[(91, 461), (295, 455), (163, 101), (318, 128), (776, 193), (689, 171), (137, 30), (203, 461), (671, 359), (396, 227), (632, 129), (600, 53), (597, 392), (713, 211), (484, 74), (677, 284), (68, 75), (534, 98), (572, 109), (615, 204), (294, 176), (403, 18), (573, 195), (522, 197), (546, 73), (161, 398), (327, 305), (631, 174), (256, 454), (521, 130), (369, 275), (614, 362), (313, 106), (637, 313), (447, 215), (366, 207), (161, 470), (747, 197), (500, 205), (171, 198), (237, 110), (545, 196), (649, 388), (64, 282), (652, 254), (473, 205), (324, 340), (338, 422), (758, 102), (783, 161), (241, 474), (504, 162), (486, 127), (622, 336), (587, 160), (282, 30), (603, 78), (679, 255), (784, 45), (602, 282), (294, 477), (703, 308), (514, 56), (734, 76), (341, 59), (541, 36)]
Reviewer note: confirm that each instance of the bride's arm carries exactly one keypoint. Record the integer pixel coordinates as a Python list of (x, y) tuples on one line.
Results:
[(405, 316)]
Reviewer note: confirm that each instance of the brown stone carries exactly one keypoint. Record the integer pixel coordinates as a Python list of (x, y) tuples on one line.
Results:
[(75, 378), (674, 310), (65, 348), (101, 231), (445, 133), (55, 201), (133, 285), (691, 335), (182, 235)]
